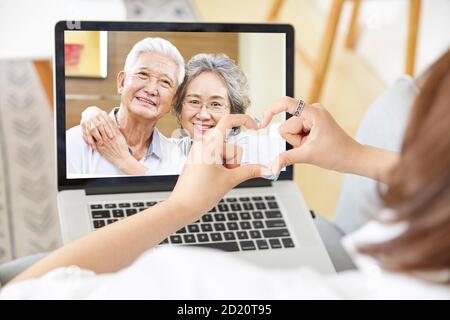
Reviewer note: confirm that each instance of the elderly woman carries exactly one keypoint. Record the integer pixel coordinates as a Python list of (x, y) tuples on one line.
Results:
[(214, 86), (153, 70)]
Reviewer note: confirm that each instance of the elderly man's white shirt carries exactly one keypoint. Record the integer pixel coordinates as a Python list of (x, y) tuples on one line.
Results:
[(163, 157)]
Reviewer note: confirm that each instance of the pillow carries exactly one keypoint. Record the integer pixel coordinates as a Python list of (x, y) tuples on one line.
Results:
[(383, 126)]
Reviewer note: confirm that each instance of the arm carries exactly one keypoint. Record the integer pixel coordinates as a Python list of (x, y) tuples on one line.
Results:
[(372, 162), (317, 139), (117, 245), (130, 166)]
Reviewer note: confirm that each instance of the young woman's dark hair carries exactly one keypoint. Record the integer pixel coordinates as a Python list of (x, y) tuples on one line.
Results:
[(419, 189)]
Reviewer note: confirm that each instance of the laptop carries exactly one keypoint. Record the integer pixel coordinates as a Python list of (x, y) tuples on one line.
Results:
[(261, 221)]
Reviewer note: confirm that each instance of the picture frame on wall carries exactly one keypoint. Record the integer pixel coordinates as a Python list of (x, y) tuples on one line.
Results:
[(86, 54)]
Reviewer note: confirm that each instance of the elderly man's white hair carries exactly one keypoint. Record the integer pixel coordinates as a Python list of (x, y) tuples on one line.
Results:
[(156, 45)]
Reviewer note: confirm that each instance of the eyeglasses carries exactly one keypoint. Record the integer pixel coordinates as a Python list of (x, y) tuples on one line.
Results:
[(212, 106)]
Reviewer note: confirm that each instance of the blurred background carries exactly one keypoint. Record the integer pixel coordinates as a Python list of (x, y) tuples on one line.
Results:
[(348, 52)]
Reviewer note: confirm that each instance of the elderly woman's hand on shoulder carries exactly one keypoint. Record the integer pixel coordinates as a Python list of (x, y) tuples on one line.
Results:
[(94, 126)]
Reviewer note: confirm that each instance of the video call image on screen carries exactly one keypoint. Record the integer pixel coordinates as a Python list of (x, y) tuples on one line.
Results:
[(138, 115)]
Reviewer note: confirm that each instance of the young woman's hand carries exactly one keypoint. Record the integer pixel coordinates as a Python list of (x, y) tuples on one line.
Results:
[(318, 140), (316, 137), (94, 128), (212, 168)]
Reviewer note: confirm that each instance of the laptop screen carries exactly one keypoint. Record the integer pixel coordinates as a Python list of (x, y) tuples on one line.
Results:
[(136, 100)]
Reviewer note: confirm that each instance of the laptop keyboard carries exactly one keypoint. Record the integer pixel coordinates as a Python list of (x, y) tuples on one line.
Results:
[(234, 224)]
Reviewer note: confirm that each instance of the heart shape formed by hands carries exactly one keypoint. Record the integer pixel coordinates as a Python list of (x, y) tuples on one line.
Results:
[(258, 145)]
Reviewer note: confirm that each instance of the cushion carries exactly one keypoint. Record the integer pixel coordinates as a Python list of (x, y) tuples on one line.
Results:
[(13, 268), (383, 126)]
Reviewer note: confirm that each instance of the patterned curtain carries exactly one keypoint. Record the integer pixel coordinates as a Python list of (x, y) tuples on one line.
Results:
[(28, 215)]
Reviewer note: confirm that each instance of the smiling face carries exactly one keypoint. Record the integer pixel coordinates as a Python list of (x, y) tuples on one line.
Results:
[(208, 88), (149, 87)]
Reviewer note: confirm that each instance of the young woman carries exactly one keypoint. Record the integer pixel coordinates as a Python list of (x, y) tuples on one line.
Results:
[(403, 253)]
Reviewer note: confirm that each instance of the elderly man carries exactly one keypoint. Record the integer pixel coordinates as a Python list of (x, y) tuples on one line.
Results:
[(153, 70)]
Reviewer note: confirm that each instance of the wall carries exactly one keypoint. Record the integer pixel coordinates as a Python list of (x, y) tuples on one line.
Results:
[(103, 92), (383, 26)]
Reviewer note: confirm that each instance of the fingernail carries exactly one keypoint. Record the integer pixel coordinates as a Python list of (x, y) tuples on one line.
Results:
[(258, 121), (266, 172), (271, 177)]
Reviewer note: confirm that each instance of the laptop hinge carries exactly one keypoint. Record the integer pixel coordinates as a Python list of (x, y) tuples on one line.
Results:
[(162, 186), (129, 188), (255, 183)]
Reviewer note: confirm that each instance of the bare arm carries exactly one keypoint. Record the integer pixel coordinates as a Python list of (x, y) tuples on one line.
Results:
[(372, 162), (117, 245)]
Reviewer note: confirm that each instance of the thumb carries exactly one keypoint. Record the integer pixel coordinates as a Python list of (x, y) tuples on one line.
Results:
[(249, 171), (267, 117), (287, 158)]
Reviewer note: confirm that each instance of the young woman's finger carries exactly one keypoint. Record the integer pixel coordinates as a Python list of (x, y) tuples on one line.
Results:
[(228, 122), (232, 155), (285, 104), (294, 130), (249, 171), (284, 159)]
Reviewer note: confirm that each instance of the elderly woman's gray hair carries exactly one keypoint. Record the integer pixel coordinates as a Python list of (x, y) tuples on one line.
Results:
[(234, 78)]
